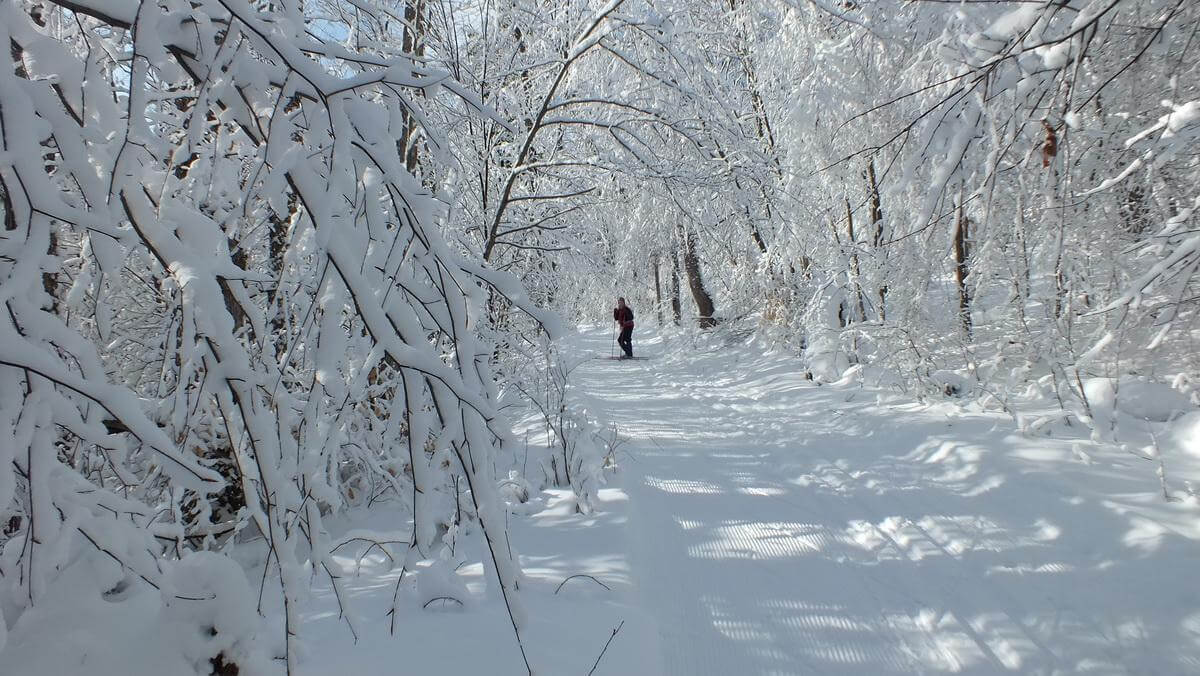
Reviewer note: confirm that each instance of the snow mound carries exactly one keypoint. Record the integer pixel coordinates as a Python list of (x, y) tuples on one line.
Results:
[(514, 489), (96, 619), (868, 375), (439, 587), (1139, 398), (828, 366), (952, 384), (1185, 434)]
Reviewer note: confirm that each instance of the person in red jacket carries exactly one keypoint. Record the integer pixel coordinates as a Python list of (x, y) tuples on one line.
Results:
[(623, 316)]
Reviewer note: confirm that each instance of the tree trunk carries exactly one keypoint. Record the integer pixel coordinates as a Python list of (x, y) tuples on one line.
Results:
[(658, 299), (875, 203), (855, 269), (238, 258), (10, 218), (961, 269), (676, 306), (762, 121), (277, 245), (49, 279), (691, 268), (754, 232), (414, 44)]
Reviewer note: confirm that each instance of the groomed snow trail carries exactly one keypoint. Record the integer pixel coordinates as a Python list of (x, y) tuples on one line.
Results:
[(778, 527)]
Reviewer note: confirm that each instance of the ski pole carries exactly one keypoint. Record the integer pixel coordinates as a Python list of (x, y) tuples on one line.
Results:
[(612, 351)]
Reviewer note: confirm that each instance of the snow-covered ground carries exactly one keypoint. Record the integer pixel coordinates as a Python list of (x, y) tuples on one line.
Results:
[(759, 523)]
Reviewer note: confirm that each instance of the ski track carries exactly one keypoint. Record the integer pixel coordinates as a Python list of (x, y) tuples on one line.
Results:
[(778, 527)]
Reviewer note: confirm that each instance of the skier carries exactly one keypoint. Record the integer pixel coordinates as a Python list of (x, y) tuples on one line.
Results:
[(623, 315)]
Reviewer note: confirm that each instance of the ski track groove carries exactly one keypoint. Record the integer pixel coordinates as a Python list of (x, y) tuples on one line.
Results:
[(952, 592), (1010, 602)]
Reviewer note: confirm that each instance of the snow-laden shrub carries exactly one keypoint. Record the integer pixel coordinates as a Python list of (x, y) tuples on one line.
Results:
[(576, 449)]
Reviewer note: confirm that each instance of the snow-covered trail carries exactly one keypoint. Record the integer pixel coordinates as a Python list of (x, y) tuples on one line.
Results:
[(779, 527)]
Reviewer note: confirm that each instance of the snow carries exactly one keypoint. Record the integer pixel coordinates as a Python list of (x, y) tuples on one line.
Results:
[(758, 522), (1057, 56), (569, 618), (1141, 399), (1185, 434), (131, 629), (951, 383)]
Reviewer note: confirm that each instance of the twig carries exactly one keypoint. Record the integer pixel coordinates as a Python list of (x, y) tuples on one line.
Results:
[(606, 644), (560, 584), (337, 593), (443, 599), (395, 599), (1162, 468)]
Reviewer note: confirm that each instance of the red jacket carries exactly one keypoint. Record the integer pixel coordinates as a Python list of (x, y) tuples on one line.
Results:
[(624, 315)]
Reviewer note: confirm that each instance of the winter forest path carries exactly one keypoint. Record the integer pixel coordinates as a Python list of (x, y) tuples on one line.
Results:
[(778, 527)]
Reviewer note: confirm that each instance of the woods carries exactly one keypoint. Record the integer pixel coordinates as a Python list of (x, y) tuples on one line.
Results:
[(268, 263)]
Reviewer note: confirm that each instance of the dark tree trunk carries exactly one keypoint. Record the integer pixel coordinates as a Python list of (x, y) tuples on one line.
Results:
[(855, 269), (754, 232), (10, 218), (875, 202), (961, 268), (658, 299), (691, 268), (277, 244), (238, 257), (414, 43), (676, 306), (49, 279)]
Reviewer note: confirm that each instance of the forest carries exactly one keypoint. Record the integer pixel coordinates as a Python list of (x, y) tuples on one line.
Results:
[(291, 283)]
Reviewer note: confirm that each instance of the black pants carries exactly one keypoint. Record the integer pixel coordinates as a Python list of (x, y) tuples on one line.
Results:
[(626, 341)]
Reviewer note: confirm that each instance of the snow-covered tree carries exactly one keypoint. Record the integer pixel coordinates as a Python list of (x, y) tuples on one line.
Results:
[(229, 305)]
